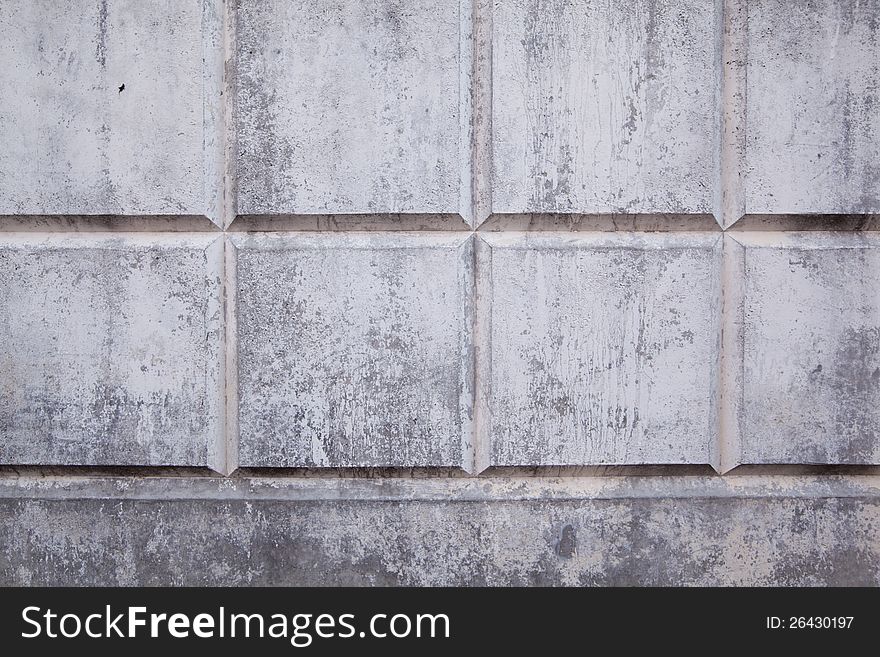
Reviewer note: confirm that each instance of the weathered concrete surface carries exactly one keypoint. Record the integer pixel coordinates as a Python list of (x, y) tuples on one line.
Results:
[(128, 344), (603, 106), (111, 350), (807, 312), (598, 348), (354, 349), (353, 107), (622, 531), (812, 115), (110, 107)]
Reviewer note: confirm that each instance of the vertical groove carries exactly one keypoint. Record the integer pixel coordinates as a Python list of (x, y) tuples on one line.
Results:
[(218, 457), (467, 353), (466, 51), (729, 197), (213, 110), (482, 353), (231, 356), (481, 148), (230, 152), (733, 255), (481, 177)]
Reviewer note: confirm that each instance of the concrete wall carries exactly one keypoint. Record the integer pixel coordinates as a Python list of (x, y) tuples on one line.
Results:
[(439, 292)]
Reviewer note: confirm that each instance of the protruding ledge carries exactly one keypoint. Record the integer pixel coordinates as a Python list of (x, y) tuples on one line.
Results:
[(342, 222), (94, 223), (447, 490), (600, 222), (807, 222)]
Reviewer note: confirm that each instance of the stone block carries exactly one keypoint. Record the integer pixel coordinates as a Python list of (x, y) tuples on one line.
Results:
[(812, 116), (110, 107), (603, 107), (353, 107), (111, 350), (354, 350), (598, 348), (806, 313)]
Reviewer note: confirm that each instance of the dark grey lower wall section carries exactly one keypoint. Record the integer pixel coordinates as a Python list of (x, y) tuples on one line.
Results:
[(774, 530)]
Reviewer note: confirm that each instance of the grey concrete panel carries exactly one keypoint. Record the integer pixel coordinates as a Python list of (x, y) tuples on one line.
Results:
[(353, 107), (354, 349), (601, 107), (812, 120), (807, 313), (111, 350), (110, 107), (598, 348)]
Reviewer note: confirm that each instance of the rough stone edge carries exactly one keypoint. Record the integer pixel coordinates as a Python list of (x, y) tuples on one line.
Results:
[(481, 91), (482, 354), (216, 321), (346, 222)]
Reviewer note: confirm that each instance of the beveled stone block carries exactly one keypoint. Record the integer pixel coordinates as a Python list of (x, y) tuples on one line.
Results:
[(812, 135), (807, 314), (111, 107), (111, 350), (354, 350), (598, 348), (603, 107), (353, 107)]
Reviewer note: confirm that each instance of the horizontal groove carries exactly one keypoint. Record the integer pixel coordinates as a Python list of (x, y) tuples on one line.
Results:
[(342, 222), (807, 222), (505, 472), (600, 222), (599, 471), (799, 470), (439, 223), (352, 473), (61, 471), (107, 223)]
